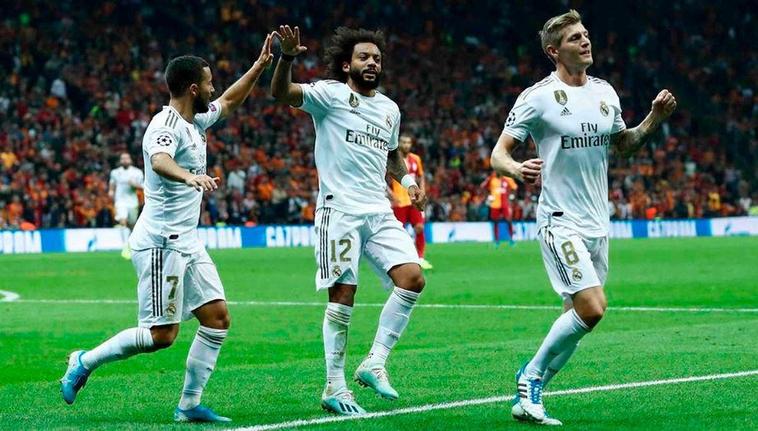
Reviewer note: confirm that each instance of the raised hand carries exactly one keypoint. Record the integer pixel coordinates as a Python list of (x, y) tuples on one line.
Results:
[(266, 57), (530, 170), (290, 40), (663, 105)]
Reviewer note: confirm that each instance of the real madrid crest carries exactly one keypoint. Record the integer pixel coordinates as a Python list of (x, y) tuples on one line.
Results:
[(604, 108), (576, 274), (560, 96), (389, 121), (354, 101), (336, 271)]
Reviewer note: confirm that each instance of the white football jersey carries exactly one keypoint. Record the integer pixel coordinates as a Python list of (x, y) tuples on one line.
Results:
[(126, 195), (172, 209), (572, 127), (354, 135)]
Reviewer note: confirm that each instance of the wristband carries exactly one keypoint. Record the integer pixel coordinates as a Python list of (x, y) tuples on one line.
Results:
[(408, 181), (287, 57)]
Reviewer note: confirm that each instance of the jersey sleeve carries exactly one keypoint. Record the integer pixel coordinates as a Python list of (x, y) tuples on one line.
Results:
[(112, 179), (394, 139), (161, 140), (521, 120), (207, 119), (420, 166), (317, 97), (618, 119)]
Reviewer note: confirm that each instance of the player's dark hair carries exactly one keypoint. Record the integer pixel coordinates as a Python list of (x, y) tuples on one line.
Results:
[(184, 71), (342, 45)]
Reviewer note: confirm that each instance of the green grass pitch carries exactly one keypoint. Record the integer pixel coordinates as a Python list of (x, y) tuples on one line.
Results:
[(271, 367)]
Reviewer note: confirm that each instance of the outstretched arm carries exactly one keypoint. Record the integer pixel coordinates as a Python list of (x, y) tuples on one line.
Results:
[(282, 88), (398, 171), (630, 141), (238, 92), (502, 161), (164, 165)]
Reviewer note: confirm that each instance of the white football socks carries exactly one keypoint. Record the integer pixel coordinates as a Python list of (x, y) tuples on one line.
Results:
[(336, 322), (126, 343), (200, 364), (567, 330), (392, 323), (557, 363)]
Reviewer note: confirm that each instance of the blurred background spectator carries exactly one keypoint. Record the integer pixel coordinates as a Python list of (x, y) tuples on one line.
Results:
[(81, 80)]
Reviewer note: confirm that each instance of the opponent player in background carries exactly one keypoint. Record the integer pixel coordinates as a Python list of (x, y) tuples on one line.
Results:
[(177, 279), (500, 189), (574, 119), (357, 131), (402, 206), (124, 182)]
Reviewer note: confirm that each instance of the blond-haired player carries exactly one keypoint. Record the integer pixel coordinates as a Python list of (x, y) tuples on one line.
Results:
[(574, 119)]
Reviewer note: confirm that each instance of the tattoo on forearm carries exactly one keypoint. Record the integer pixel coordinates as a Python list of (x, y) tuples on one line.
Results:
[(631, 140), (396, 166)]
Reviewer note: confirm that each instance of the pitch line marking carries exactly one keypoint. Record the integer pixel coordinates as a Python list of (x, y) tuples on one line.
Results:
[(443, 306), (7, 296), (490, 400)]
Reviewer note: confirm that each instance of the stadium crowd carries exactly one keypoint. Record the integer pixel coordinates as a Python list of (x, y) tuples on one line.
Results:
[(80, 82)]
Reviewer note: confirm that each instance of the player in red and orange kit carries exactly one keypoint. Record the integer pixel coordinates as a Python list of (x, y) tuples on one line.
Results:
[(500, 189), (405, 212)]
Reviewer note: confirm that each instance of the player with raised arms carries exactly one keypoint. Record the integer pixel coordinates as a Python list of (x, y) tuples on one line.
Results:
[(176, 277), (357, 129), (574, 119)]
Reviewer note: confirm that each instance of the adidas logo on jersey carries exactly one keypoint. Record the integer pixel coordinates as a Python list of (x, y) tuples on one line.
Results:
[(565, 112)]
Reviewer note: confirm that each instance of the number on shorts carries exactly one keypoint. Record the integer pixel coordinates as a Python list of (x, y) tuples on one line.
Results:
[(569, 253), (174, 280), (343, 255)]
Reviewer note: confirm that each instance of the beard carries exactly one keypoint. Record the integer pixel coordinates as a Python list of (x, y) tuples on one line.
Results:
[(357, 76), (200, 104)]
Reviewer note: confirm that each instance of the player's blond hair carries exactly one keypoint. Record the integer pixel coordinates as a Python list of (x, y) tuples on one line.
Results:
[(552, 31)]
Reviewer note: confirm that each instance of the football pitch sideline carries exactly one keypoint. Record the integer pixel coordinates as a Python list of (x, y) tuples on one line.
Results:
[(676, 350)]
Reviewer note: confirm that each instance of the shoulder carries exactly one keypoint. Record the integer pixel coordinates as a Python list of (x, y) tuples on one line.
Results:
[(602, 85), (535, 91), (164, 120), (384, 99), (326, 84), (600, 82)]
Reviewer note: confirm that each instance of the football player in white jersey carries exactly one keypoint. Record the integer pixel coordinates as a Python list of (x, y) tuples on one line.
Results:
[(357, 130), (574, 119), (122, 188), (177, 278)]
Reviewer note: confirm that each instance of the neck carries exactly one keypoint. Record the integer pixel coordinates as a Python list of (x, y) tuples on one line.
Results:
[(360, 90), (574, 77), (183, 106)]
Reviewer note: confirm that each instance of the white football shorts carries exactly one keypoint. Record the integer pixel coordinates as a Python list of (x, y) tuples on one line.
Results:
[(171, 284), (343, 239), (573, 262)]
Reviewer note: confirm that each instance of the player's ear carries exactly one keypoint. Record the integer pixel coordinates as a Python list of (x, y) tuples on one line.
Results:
[(552, 52), (194, 89), (346, 67)]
